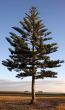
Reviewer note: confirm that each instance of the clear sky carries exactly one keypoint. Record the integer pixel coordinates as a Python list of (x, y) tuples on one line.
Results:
[(52, 12)]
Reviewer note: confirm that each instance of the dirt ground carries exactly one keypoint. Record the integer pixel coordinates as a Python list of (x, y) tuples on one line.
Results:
[(23, 103)]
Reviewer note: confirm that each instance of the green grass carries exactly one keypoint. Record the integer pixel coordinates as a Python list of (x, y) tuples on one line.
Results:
[(25, 93)]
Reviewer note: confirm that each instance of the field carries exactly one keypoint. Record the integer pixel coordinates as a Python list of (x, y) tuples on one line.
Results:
[(21, 101)]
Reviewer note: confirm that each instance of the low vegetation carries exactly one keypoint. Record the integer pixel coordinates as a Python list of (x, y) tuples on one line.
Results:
[(21, 101)]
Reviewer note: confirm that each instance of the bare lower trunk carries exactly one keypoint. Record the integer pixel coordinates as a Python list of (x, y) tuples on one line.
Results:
[(33, 89), (33, 68)]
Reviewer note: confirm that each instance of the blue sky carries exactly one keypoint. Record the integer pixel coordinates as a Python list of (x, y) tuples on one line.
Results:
[(52, 12)]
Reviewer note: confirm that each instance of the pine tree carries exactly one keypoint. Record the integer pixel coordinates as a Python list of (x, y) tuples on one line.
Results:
[(30, 55)]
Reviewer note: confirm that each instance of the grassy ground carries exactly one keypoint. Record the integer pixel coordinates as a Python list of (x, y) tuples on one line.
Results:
[(12, 102)]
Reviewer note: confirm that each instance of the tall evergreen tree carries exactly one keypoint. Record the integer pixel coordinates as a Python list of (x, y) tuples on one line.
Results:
[(30, 55)]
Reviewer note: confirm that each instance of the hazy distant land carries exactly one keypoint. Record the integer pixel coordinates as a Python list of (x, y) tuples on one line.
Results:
[(51, 86)]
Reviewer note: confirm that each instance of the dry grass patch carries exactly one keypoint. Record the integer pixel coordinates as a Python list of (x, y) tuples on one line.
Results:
[(23, 103)]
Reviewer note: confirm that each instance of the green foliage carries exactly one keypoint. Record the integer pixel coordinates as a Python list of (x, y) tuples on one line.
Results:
[(30, 49)]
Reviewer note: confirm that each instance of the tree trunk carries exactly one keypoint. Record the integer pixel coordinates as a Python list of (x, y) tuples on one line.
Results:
[(33, 89), (33, 70)]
